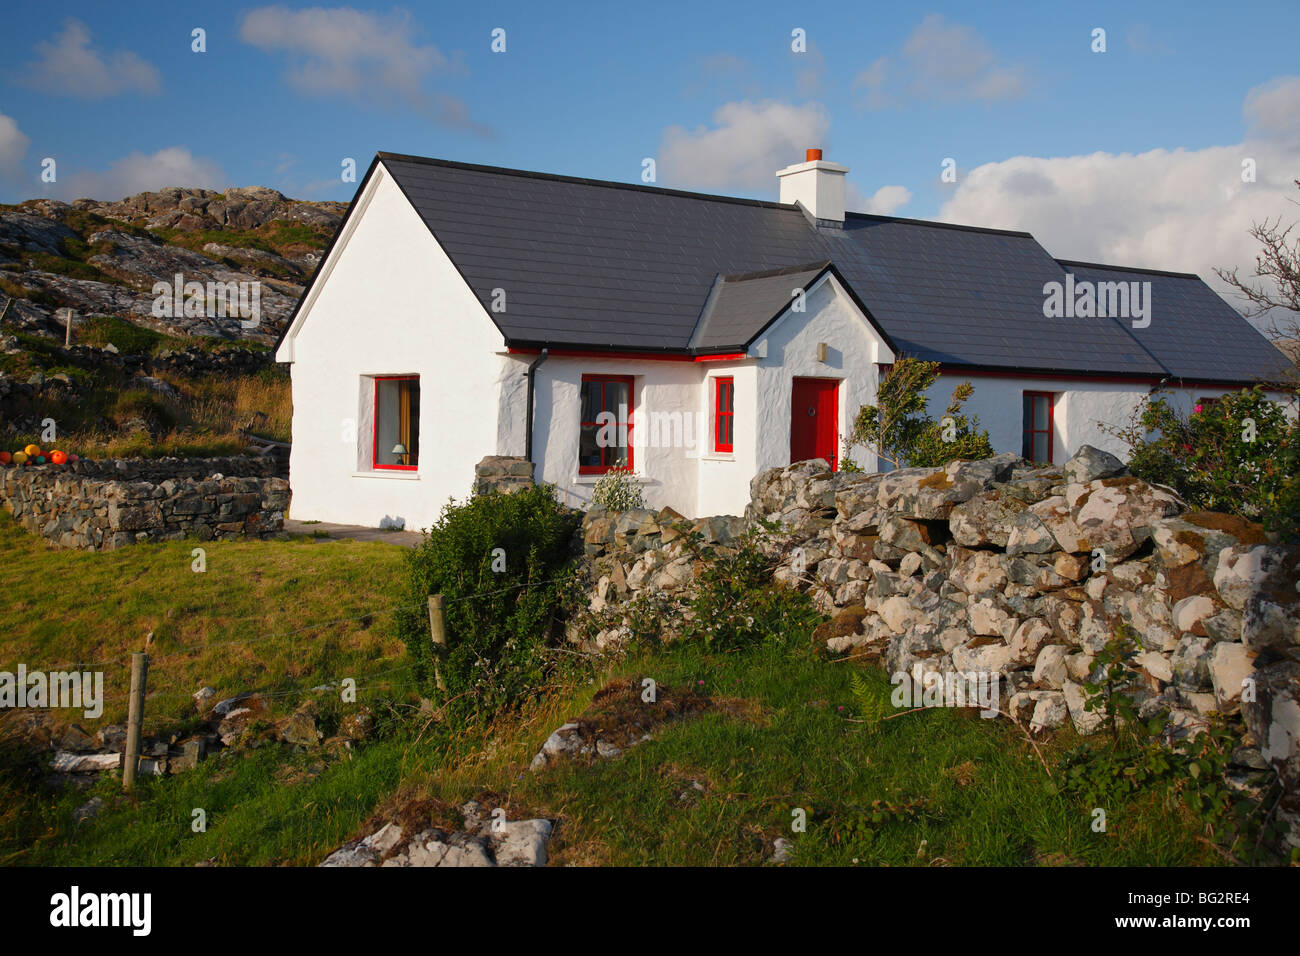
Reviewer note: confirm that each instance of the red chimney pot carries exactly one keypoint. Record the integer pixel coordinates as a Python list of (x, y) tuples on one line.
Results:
[(813, 155)]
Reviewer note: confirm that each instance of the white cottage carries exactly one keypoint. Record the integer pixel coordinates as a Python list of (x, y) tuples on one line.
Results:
[(466, 310)]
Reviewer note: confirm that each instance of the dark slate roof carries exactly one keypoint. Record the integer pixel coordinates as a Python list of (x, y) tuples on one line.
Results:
[(1193, 332), (601, 265), (739, 307)]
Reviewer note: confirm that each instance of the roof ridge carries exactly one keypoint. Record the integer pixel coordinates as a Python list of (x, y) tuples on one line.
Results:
[(1138, 269), (581, 181), (943, 225), (815, 266)]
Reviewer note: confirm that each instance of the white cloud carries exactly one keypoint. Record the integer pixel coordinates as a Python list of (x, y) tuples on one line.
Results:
[(940, 62), (69, 66), (1180, 210), (136, 172), (743, 148), (885, 201), (13, 147), (364, 56)]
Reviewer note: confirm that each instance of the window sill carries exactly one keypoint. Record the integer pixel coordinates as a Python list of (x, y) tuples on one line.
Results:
[(395, 475), (718, 456), (592, 479)]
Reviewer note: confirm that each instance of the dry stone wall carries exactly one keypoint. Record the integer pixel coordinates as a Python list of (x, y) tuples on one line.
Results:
[(100, 506), (998, 567)]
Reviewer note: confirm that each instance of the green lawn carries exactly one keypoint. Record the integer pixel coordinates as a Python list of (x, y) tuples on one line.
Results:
[(271, 616)]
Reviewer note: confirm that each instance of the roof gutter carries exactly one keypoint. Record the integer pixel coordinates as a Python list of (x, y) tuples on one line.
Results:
[(528, 414)]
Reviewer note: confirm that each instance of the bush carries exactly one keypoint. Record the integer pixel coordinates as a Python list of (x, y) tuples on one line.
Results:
[(1240, 454), (737, 604), (900, 431), (503, 565), (618, 490)]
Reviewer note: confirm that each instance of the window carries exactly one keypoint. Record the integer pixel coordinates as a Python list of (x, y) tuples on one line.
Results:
[(724, 413), (605, 426), (397, 423), (1037, 428)]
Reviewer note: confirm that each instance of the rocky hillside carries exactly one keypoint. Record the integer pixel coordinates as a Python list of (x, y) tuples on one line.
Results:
[(103, 258)]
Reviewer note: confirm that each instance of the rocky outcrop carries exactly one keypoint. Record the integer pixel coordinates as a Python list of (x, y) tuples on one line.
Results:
[(100, 506), (133, 243)]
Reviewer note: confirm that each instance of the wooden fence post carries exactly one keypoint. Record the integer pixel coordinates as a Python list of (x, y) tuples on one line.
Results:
[(438, 634), (135, 718)]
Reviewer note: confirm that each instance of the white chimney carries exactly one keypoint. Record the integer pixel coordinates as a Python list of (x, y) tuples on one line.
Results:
[(817, 184)]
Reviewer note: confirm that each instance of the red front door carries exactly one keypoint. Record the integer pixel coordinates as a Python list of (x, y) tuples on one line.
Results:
[(814, 420)]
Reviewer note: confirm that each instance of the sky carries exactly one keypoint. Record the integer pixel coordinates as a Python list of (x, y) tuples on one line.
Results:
[(1150, 135)]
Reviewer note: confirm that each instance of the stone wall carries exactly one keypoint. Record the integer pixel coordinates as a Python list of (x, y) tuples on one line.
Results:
[(103, 505), (502, 473), (999, 567)]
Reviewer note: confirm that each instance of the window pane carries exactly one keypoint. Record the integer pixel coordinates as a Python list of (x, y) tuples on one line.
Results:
[(615, 397), (588, 452), (1041, 406), (590, 401), (397, 422), (1040, 447)]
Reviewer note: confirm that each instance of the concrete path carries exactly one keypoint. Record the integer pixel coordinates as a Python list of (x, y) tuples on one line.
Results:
[(409, 539)]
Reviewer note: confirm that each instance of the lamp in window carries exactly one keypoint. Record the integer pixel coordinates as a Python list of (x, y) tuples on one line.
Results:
[(400, 450)]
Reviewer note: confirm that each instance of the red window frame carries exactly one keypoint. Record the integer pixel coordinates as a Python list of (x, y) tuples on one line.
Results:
[(724, 412), (631, 403), (374, 425), (1028, 431)]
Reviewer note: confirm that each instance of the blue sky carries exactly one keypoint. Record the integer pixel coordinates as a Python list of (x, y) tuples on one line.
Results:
[(1130, 155)]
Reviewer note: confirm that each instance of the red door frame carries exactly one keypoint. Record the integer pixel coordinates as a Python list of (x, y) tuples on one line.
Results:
[(827, 391), (1051, 423), (728, 382)]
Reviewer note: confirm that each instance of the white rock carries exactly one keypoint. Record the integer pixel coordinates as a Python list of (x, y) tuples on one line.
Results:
[(1050, 667), (1157, 665), (65, 762), (1188, 612), (1085, 721), (1230, 664), (1050, 712), (524, 843)]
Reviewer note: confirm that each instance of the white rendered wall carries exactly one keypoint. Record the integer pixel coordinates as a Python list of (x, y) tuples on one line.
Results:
[(389, 303), (666, 387), (854, 349), (1080, 409), (724, 477)]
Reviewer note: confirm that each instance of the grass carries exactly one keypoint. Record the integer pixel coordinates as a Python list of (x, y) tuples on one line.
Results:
[(948, 788), (980, 797), (77, 608)]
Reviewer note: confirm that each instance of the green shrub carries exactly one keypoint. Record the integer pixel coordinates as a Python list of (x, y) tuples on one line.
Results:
[(618, 490), (900, 431), (1240, 454), (737, 604), (501, 607)]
